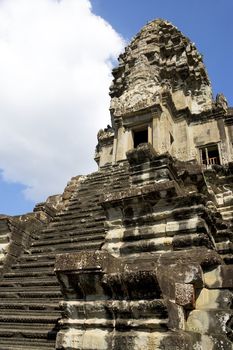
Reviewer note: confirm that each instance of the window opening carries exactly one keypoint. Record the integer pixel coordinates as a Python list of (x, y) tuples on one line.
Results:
[(210, 155), (140, 136), (171, 139)]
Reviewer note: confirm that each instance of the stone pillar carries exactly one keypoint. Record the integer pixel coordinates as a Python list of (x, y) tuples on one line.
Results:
[(156, 130)]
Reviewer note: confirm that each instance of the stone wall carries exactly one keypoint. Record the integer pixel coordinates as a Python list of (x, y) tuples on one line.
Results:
[(160, 281)]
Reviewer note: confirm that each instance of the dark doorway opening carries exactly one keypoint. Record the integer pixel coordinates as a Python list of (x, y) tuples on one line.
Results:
[(210, 155), (140, 136)]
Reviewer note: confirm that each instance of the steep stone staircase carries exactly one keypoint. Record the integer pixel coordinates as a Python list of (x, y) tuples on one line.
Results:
[(30, 292), (223, 236), (227, 212)]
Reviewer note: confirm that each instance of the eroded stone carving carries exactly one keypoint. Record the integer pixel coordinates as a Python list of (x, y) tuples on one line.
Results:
[(160, 59), (221, 102)]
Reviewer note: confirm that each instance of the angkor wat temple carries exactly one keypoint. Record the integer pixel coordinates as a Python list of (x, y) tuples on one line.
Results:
[(138, 255)]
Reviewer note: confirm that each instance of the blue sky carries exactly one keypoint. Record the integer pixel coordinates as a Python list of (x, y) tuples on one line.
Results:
[(208, 23)]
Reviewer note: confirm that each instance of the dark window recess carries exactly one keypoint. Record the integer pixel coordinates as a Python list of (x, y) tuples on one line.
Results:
[(140, 137), (210, 155), (171, 139)]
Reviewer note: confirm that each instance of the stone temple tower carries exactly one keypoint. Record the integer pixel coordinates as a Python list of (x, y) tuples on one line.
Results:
[(139, 254), (161, 95), (161, 279)]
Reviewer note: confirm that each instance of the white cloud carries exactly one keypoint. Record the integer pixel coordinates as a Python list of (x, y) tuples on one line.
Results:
[(55, 71)]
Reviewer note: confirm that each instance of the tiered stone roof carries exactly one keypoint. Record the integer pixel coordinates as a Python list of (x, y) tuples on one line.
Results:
[(158, 59)]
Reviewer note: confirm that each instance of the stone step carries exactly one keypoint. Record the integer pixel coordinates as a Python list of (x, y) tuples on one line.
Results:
[(40, 271), (29, 274), (28, 318), (30, 288), (37, 316), (225, 208), (4, 238), (74, 229), (108, 172), (40, 329), (77, 232), (72, 223), (32, 264), (224, 247), (25, 305), (79, 238), (160, 244), (68, 215), (4, 225), (4, 229), (227, 216), (52, 294), (75, 246), (222, 235), (26, 344), (148, 245), (85, 207), (28, 281), (85, 203), (27, 257)]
